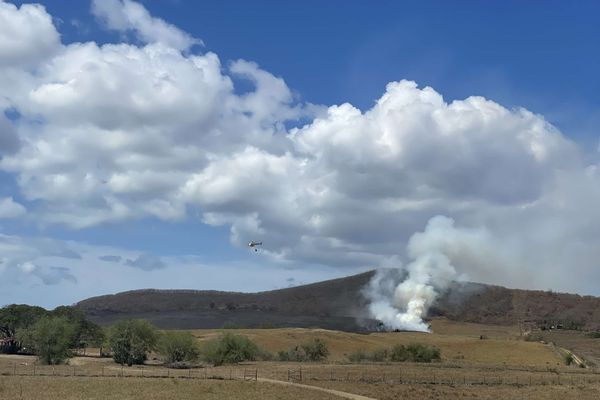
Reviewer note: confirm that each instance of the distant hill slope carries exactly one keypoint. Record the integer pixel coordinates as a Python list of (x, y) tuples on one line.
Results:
[(332, 304), (335, 304)]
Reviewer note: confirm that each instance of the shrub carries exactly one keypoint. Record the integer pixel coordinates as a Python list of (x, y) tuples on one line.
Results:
[(50, 338), (130, 341), (313, 350), (568, 359), (358, 356), (177, 347), (379, 355), (414, 353), (229, 348), (293, 354)]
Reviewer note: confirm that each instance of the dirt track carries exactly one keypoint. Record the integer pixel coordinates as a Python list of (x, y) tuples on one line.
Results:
[(338, 393)]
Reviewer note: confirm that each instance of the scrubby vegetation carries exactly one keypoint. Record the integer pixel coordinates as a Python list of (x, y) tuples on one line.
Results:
[(379, 355), (176, 348), (568, 359), (130, 341), (415, 353), (50, 338), (313, 350), (399, 353), (229, 349), (51, 335)]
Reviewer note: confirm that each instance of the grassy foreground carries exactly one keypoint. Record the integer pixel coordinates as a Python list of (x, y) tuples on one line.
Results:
[(458, 342), (384, 391), (53, 388)]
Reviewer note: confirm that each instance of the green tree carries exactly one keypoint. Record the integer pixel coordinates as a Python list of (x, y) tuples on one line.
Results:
[(176, 347), (130, 341), (17, 317), (87, 333), (50, 339), (229, 348)]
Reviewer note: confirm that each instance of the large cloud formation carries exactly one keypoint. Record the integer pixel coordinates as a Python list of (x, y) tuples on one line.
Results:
[(118, 132)]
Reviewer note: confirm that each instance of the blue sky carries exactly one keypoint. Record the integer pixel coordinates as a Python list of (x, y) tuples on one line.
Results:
[(540, 57)]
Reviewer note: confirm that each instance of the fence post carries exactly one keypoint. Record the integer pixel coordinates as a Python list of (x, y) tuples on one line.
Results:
[(15, 369), (256, 374), (74, 370), (300, 374), (33, 369), (102, 370)]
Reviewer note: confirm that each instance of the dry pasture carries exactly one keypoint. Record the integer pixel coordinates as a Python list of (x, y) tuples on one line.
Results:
[(497, 367)]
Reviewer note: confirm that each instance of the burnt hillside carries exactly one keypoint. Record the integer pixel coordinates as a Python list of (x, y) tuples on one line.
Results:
[(335, 304)]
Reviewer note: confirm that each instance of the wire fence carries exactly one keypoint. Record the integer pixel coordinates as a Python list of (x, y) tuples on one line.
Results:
[(301, 374)]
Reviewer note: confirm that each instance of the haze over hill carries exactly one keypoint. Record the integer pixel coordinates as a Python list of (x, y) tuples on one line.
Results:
[(335, 304)]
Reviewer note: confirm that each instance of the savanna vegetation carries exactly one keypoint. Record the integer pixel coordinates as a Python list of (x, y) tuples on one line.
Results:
[(52, 335), (131, 341)]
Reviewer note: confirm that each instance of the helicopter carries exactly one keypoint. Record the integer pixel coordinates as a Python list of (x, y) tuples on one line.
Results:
[(252, 244)]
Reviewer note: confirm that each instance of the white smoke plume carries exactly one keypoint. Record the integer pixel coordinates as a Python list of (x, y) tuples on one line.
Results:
[(400, 298)]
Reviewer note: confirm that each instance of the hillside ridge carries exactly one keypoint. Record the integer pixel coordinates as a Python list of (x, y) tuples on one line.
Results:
[(336, 304)]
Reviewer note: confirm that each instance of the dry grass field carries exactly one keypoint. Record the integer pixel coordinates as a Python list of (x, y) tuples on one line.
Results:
[(499, 366), (67, 388), (576, 341), (458, 342), (384, 391)]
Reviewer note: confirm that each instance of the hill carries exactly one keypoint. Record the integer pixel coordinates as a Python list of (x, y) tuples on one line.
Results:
[(337, 304)]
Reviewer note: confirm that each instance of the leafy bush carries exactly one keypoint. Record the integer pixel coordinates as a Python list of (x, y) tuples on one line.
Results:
[(379, 355), (130, 341), (568, 359), (50, 338), (177, 347), (230, 348), (293, 354), (358, 356), (313, 350), (414, 353)]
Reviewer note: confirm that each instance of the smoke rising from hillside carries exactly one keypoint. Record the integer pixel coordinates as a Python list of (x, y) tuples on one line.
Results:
[(401, 298)]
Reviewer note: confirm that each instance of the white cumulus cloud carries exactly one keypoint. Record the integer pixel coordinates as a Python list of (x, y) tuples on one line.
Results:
[(126, 15), (119, 132), (26, 35)]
